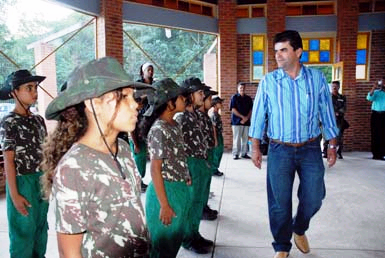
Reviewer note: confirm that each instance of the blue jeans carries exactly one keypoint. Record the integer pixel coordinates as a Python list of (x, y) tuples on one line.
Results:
[(282, 163)]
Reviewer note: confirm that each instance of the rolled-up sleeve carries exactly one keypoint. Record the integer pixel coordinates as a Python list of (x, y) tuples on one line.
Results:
[(259, 111), (327, 116)]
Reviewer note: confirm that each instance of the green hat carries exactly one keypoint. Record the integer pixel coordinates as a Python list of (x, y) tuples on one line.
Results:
[(193, 84), (15, 79), (216, 100), (165, 90), (208, 92), (91, 80)]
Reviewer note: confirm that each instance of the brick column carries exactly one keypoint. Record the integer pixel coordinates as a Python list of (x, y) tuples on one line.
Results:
[(109, 30), (275, 17), (347, 29), (227, 27), (47, 69)]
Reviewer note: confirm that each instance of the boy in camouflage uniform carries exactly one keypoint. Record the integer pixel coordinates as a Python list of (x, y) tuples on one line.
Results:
[(196, 151), (216, 104), (168, 198), (95, 184), (21, 136)]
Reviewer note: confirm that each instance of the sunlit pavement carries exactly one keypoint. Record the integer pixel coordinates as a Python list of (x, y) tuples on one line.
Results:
[(350, 224)]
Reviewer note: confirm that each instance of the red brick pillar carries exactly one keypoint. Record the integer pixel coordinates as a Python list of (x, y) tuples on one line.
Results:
[(109, 30), (275, 17), (227, 27), (48, 69), (347, 30)]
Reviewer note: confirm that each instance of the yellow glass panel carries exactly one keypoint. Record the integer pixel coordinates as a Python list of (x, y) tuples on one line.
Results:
[(258, 43), (362, 40), (313, 57), (324, 44), (305, 44)]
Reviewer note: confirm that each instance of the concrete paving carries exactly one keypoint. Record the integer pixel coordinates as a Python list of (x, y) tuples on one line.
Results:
[(350, 224)]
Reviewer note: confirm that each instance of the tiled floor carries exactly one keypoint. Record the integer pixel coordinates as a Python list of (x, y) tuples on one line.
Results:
[(351, 223)]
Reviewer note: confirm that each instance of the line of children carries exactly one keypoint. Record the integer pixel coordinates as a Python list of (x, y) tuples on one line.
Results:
[(21, 136), (94, 182), (168, 197)]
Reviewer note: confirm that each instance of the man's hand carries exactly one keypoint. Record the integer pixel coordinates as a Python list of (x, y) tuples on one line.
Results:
[(21, 204), (256, 157), (332, 157)]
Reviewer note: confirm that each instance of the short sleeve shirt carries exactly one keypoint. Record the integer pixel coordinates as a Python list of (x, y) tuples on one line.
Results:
[(217, 122), (194, 139), (244, 104), (165, 142), (207, 128), (23, 135), (93, 198)]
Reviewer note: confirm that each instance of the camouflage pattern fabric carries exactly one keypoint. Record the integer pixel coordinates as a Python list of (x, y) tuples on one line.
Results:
[(24, 135), (217, 122), (207, 128), (193, 136), (165, 142), (92, 198)]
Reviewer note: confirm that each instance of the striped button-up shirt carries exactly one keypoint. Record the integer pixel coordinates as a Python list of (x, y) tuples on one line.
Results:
[(297, 109)]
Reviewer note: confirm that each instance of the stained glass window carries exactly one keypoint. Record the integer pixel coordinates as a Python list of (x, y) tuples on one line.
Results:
[(362, 55), (258, 50), (317, 50)]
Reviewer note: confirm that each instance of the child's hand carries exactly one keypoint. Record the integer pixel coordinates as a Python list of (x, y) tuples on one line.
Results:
[(21, 204), (166, 214)]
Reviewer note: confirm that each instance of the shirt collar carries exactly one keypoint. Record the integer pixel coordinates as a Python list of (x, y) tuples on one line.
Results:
[(303, 73)]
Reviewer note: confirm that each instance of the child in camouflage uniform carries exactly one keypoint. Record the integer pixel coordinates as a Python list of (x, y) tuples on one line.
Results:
[(196, 151), (168, 198), (95, 184), (21, 136), (216, 104), (208, 131)]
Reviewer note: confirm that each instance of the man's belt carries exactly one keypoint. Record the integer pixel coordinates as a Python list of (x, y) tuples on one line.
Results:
[(295, 144)]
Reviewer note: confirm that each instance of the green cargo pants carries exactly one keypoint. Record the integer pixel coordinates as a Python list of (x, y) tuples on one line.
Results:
[(28, 234), (140, 157), (217, 154)]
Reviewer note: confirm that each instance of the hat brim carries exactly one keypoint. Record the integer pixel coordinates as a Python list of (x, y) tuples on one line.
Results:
[(69, 98), (155, 106), (7, 88), (33, 78)]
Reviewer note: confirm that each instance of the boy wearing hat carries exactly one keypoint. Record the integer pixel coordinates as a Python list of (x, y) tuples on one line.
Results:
[(196, 151), (216, 104), (21, 136), (168, 198)]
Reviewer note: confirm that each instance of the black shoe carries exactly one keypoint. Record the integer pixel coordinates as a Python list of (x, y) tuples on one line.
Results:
[(205, 242), (209, 210), (143, 187), (218, 173), (340, 156), (246, 156), (197, 248), (378, 158), (206, 215), (235, 157)]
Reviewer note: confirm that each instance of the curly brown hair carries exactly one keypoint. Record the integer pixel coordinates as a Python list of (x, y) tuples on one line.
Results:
[(71, 126)]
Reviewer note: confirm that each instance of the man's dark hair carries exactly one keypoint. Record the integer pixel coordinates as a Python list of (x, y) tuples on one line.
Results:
[(336, 82), (292, 36)]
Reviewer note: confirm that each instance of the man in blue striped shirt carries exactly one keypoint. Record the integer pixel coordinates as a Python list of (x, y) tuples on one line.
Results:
[(298, 105)]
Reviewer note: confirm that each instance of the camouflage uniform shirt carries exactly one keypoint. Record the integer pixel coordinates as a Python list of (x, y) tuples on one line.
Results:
[(217, 122), (195, 145), (207, 128), (165, 142), (92, 198), (24, 135)]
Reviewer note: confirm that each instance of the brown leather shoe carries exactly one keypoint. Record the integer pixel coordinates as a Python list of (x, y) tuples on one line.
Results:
[(281, 254), (302, 243)]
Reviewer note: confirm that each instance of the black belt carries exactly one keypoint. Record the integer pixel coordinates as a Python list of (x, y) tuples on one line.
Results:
[(378, 112)]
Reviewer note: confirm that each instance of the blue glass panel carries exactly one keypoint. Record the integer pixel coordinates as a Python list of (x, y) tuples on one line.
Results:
[(258, 58), (361, 56), (324, 56), (314, 44), (304, 57)]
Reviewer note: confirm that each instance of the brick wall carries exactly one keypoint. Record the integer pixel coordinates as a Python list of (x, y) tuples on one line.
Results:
[(109, 28), (227, 28)]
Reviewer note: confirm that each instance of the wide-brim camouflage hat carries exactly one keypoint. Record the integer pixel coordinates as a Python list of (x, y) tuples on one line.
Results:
[(193, 84), (216, 100), (165, 90), (92, 80), (15, 79)]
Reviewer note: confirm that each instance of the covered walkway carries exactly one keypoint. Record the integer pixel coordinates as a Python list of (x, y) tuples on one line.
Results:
[(351, 223)]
